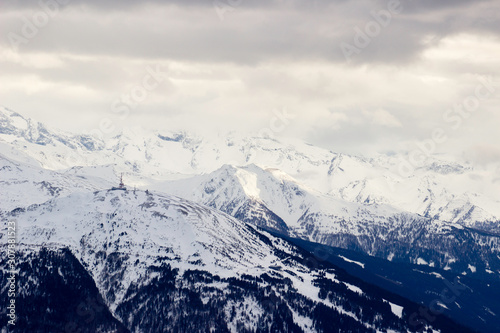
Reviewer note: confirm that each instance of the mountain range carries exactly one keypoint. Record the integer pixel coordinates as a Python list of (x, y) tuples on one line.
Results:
[(223, 233)]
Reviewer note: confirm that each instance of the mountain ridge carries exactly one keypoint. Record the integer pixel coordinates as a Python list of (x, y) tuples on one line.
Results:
[(226, 274), (197, 226), (440, 189)]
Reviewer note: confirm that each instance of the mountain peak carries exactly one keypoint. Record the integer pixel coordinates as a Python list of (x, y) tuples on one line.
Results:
[(162, 155), (12, 122)]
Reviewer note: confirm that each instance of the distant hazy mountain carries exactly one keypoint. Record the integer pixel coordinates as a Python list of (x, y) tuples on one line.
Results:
[(440, 189)]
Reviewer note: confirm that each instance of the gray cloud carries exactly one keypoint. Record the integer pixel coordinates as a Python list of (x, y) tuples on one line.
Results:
[(252, 32), (231, 70)]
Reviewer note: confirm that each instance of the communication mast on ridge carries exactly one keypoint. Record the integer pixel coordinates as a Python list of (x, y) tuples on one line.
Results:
[(121, 186), (121, 182)]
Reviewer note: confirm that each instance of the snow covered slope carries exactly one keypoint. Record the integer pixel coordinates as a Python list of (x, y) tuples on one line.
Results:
[(269, 198), (273, 200), (146, 226), (165, 263), (231, 188), (189, 250), (22, 185), (440, 188), (294, 188)]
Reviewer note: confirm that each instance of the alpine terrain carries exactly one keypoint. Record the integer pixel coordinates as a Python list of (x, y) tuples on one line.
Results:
[(241, 234)]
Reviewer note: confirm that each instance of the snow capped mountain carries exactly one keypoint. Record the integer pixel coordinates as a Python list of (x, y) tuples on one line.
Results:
[(230, 189), (439, 189), (45, 145), (145, 226), (271, 199), (293, 188), (145, 250), (204, 241)]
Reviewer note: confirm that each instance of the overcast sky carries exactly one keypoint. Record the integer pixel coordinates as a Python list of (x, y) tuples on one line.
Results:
[(349, 75)]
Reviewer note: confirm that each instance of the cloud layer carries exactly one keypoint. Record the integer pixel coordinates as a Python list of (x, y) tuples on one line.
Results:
[(358, 76)]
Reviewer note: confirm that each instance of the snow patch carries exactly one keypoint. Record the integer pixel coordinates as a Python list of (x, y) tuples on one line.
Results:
[(248, 181), (354, 262), (442, 305), (353, 288), (437, 275), (396, 309), (421, 261)]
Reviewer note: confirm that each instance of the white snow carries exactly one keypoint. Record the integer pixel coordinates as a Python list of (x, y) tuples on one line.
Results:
[(334, 193), (19, 122), (437, 275), (248, 182), (442, 187), (421, 261), (354, 262), (353, 288), (174, 228), (305, 323), (396, 309), (441, 304)]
